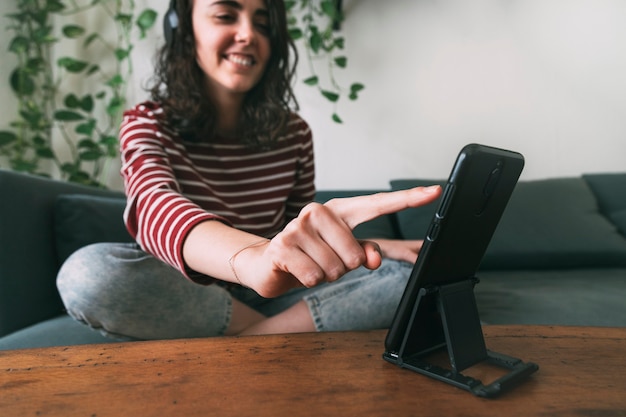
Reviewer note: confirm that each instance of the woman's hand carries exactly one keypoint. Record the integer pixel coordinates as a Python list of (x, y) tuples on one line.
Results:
[(401, 250), (318, 246)]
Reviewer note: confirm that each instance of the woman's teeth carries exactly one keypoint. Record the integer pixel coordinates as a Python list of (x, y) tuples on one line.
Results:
[(240, 60)]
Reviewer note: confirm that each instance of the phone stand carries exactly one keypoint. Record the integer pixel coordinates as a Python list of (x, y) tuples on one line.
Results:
[(447, 316)]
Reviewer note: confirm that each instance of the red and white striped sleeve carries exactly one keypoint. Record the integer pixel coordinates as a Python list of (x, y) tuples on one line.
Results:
[(157, 215), (304, 189)]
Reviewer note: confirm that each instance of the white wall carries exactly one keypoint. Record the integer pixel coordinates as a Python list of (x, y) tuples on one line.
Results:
[(543, 77)]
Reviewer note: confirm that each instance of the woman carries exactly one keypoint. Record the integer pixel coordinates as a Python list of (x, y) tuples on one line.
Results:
[(219, 176)]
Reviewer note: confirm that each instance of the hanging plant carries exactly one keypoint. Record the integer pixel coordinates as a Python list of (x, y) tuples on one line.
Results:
[(51, 100), (315, 24)]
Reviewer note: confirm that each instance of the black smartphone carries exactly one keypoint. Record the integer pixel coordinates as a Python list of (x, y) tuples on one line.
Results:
[(473, 200)]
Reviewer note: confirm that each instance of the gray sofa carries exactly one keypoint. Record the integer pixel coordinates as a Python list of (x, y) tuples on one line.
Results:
[(558, 256)]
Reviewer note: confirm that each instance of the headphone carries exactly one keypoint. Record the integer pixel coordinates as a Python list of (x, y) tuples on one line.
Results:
[(170, 23)]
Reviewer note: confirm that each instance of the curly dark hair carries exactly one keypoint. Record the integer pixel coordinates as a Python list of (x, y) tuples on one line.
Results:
[(188, 109)]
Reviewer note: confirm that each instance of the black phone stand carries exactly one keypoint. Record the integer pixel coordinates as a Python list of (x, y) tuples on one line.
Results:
[(447, 316)]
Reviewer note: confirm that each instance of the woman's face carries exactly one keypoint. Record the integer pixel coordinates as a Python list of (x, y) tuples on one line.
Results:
[(232, 44)]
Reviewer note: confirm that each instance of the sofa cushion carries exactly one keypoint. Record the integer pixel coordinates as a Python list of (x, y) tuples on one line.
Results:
[(610, 191), (380, 227), (619, 218), (552, 223), (80, 220)]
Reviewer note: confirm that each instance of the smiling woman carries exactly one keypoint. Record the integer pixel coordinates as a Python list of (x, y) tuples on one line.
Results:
[(219, 177), (225, 35), (233, 48)]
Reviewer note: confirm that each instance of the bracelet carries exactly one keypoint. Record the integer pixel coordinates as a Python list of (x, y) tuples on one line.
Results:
[(231, 260)]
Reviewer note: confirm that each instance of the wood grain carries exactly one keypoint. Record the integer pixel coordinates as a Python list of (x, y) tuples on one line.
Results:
[(582, 373)]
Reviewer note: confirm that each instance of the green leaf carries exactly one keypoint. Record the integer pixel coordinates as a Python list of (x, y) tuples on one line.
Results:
[(19, 44), (69, 168), (72, 65), (340, 43), (43, 35), (145, 21), (54, 6), (87, 103), (17, 16), (296, 33), (92, 69), (46, 153), (32, 117), (39, 141), (312, 80), (91, 155), (34, 65), (71, 101), (80, 177), (111, 145), (329, 8), (7, 137), (354, 90), (67, 116), (115, 106), (289, 4), (41, 17), (87, 143), (124, 19), (115, 81), (90, 39), (341, 61), (108, 140), (21, 83), (23, 165), (331, 96), (86, 128), (73, 31), (356, 87), (336, 118), (122, 54), (316, 41)]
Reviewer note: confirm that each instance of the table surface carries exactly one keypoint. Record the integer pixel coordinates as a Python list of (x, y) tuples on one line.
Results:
[(582, 373)]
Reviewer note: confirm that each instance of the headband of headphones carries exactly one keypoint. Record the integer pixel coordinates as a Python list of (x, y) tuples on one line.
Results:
[(170, 22)]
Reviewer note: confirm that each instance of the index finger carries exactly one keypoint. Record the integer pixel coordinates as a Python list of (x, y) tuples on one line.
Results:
[(356, 210)]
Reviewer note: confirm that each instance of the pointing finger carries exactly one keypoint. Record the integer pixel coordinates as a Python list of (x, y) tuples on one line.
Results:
[(356, 210)]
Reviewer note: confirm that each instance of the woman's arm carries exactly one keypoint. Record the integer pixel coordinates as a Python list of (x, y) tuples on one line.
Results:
[(316, 247), (157, 215)]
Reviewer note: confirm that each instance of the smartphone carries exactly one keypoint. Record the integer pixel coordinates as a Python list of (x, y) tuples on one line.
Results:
[(472, 203)]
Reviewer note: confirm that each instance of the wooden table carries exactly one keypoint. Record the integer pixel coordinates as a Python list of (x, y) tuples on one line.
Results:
[(582, 373)]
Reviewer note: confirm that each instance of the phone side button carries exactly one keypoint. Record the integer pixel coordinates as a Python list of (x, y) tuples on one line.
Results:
[(433, 232), (445, 200)]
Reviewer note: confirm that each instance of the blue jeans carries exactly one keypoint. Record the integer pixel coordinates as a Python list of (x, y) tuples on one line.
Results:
[(122, 291)]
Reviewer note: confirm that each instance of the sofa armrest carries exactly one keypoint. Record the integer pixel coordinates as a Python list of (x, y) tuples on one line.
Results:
[(28, 258)]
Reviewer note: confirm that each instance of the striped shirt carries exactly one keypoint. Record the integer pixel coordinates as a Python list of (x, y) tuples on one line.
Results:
[(172, 185)]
